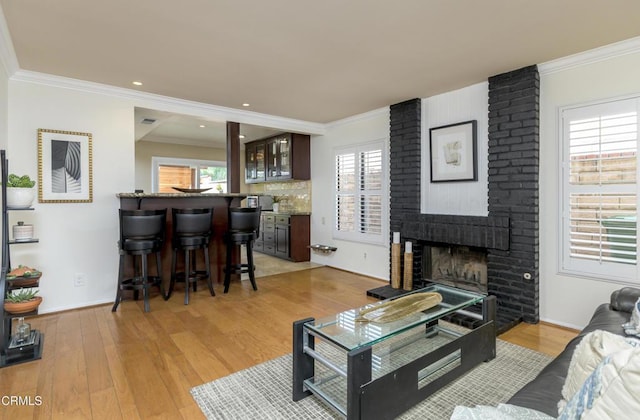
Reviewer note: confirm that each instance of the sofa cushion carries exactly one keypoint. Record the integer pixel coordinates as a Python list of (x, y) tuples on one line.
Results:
[(545, 391), (591, 350), (624, 299), (501, 412), (611, 391)]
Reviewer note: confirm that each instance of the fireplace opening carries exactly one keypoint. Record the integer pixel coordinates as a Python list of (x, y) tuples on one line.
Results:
[(458, 266)]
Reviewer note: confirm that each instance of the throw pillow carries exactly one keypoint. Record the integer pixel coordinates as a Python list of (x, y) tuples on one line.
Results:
[(501, 412), (611, 391), (633, 326), (586, 357)]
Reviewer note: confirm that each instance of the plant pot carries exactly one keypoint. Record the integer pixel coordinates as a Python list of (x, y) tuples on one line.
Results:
[(20, 198), (276, 207), (23, 307)]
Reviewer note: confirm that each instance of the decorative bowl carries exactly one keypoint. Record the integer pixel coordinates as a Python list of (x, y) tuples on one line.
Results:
[(191, 190)]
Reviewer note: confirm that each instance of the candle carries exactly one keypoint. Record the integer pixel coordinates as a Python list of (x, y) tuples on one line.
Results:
[(407, 247), (396, 237)]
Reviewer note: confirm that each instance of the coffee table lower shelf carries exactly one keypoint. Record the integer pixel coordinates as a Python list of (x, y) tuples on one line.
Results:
[(384, 380)]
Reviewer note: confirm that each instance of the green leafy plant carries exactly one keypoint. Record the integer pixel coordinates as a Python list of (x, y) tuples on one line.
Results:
[(278, 198), (23, 181), (22, 295)]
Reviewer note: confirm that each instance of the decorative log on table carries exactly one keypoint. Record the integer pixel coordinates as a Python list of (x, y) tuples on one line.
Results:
[(217, 248)]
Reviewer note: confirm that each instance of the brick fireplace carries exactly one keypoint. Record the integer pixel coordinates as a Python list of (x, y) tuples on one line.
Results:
[(509, 234)]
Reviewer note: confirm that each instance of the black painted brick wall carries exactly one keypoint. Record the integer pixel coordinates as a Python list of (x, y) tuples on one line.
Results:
[(404, 167), (514, 146), (513, 193)]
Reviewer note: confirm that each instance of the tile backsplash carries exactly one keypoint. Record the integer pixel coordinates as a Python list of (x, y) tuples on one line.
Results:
[(296, 194)]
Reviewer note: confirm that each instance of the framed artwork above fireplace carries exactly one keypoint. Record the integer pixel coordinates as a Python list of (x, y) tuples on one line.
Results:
[(453, 150)]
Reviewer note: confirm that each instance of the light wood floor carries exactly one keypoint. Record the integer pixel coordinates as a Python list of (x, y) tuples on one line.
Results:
[(103, 365)]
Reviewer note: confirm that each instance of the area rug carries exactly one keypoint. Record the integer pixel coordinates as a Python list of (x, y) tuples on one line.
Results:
[(264, 391)]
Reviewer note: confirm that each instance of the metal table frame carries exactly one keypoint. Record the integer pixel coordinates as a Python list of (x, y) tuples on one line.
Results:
[(393, 393)]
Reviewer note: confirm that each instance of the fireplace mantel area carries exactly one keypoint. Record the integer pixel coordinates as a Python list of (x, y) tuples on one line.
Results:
[(509, 232)]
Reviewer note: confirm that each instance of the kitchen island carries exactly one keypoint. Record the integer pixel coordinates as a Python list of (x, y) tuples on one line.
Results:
[(217, 248)]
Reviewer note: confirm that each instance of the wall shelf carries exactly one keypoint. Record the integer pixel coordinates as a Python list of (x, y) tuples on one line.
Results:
[(10, 353)]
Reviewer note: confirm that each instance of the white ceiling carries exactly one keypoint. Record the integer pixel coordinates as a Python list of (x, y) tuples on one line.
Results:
[(187, 130), (317, 61)]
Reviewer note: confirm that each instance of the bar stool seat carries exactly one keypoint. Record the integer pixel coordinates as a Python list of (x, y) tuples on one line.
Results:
[(141, 234), (244, 229), (191, 232)]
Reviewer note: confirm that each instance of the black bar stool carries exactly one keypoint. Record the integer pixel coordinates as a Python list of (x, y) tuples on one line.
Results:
[(141, 234), (191, 231), (244, 228)]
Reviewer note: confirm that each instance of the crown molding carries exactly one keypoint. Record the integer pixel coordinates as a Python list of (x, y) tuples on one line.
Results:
[(607, 52), (7, 53), (359, 117), (166, 103)]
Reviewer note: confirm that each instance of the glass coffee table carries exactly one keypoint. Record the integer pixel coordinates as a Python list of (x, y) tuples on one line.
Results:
[(369, 370)]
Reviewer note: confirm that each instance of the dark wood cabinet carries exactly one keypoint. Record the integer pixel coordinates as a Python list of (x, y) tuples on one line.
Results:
[(281, 157), (255, 158), (284, 236)]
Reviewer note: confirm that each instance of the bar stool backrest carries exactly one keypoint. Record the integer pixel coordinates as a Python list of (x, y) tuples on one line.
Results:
[(192, 222), (244, 219), (142, 225)]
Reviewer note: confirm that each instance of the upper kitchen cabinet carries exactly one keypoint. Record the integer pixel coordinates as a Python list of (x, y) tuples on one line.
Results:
[(281, 157), (255, 154)]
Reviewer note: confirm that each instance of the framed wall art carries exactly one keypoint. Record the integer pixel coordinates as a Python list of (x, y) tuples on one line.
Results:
[(453, 152), (65, 167)]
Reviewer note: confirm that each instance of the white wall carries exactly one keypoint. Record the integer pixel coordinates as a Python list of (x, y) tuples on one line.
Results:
[(569, 300), (4, 106), (461, 198), (81, 238), (367, 259), (74, 238)]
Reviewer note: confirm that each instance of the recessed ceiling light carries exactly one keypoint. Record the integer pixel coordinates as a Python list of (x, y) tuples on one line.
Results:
[(246, 104), (202, 126), (137, 83), (241, 136)]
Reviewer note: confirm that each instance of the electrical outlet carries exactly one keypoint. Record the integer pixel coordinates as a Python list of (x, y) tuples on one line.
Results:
[(365, 255), (80, 280), (323, 220)]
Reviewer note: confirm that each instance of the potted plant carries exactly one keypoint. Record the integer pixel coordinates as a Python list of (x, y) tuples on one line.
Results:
[(20, 191), (276, 202), (22, 301)]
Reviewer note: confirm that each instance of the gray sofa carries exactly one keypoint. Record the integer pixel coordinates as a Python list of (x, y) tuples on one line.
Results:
[(544, 392)]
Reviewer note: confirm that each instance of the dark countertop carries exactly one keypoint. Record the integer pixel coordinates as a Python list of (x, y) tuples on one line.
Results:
[(289, 213), (179, 195)]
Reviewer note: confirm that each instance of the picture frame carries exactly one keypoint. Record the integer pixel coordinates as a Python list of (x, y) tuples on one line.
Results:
[(454, 154), (65, 167)]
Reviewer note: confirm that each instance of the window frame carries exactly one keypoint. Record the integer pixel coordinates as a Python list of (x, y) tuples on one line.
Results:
[(606, 271), (157, 161), (355, 236)]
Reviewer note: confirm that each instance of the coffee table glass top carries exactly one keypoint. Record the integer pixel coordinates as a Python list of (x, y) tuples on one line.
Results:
[(343, 330)]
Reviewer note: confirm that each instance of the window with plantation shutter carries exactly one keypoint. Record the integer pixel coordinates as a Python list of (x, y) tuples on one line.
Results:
[(360, 193), (600, 190)]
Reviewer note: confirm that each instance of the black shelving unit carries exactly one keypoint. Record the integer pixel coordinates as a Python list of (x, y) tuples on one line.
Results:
[(9, 354)]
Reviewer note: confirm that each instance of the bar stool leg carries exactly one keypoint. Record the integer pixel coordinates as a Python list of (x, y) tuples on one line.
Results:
[(227, 269), (136, 274), (172, 281), (194, 267), (251, 267), (145, 283), (160, 282), (120, 278), (208, 271), (187, 270)]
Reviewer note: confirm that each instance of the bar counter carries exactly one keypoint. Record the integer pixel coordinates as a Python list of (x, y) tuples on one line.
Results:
[(217, 249)]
